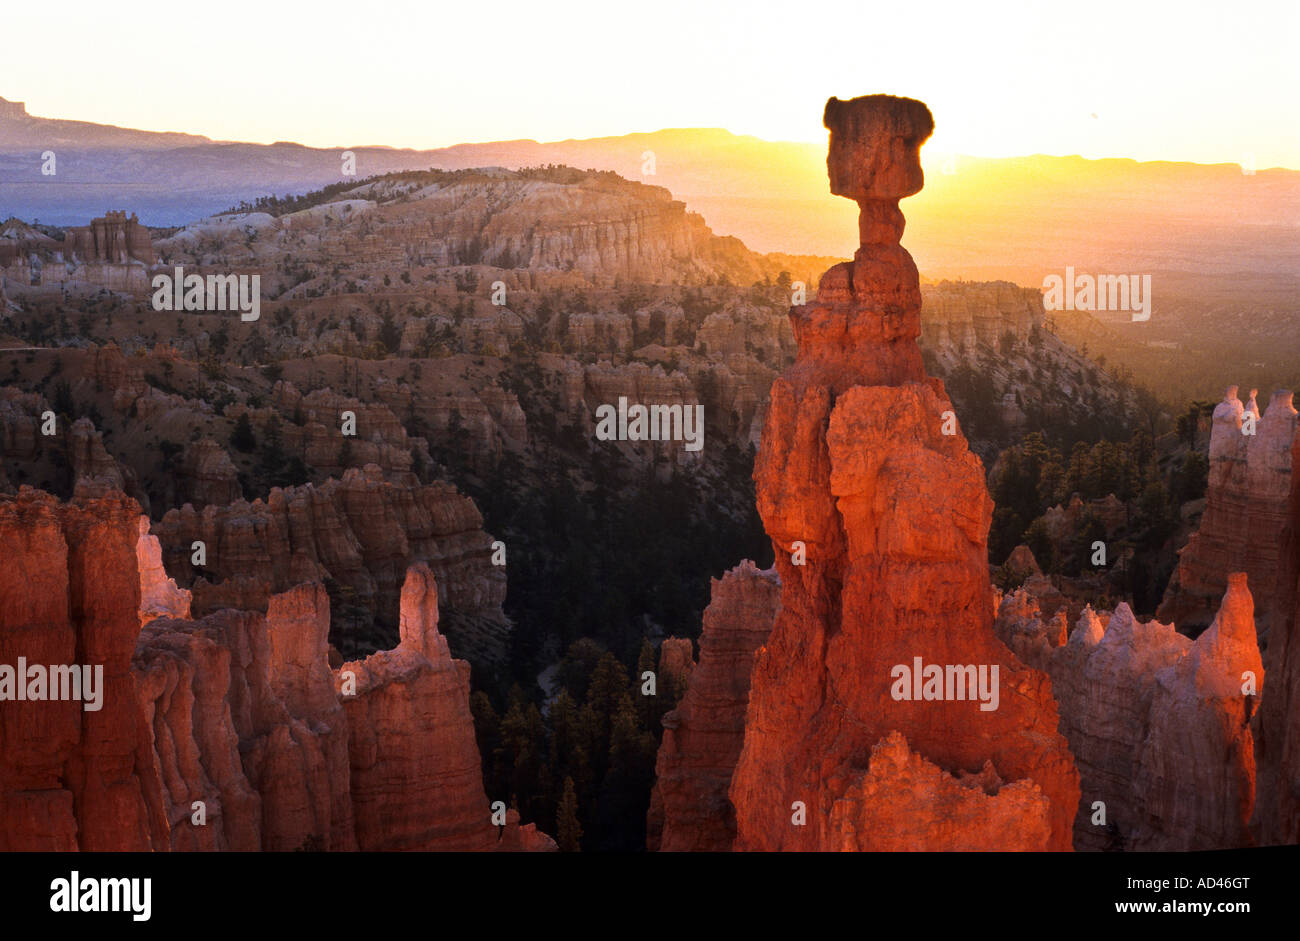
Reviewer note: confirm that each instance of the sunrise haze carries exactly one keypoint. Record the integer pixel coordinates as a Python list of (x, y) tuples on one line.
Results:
[(1199, 82)]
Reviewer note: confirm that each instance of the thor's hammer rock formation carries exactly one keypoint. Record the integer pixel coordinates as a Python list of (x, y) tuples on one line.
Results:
[(851, 742)]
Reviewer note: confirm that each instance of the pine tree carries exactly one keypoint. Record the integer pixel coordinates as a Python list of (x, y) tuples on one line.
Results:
[(522, 737), (591, 751), (487, 733), (390, 334), (631, 747), (609, 683), (271, 461), (563, 720), (242, 439), (568, 830)]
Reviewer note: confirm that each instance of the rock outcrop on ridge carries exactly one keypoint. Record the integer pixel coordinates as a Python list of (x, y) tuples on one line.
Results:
[(893, 514)]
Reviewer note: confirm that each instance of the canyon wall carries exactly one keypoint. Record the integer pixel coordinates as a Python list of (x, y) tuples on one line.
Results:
[(416, 776), (894, 517), (244, 717), (576, 225), (965, 314)]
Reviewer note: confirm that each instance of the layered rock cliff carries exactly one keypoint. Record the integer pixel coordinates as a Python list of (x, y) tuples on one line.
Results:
[(596, 225), (966, 314), (112, 251), (89, 460), (894, 517), (1245, 508), (112, 238), (1197, 767), (206, 475)]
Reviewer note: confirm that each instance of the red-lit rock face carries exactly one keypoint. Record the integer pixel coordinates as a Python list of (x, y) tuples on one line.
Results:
[(416, 779), (159, 596), (226, 733), (244, 717), (904, 803), (704, 734), (894, 515), (69, 595)]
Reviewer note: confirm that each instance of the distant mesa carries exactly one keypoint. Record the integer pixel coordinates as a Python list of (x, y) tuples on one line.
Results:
[(12, 110)]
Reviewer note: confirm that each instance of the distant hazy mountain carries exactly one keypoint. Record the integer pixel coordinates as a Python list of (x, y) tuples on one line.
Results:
[(1189, 225)]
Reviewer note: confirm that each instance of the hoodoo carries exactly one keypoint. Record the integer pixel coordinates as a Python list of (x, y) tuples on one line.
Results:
[(1245, 510), (689, 809), (894, 515)]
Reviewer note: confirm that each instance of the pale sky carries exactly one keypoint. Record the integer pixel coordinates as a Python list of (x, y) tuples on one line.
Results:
[(1205, 80)]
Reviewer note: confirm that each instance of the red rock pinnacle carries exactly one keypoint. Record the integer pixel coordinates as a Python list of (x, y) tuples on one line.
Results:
[(894, 515)]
